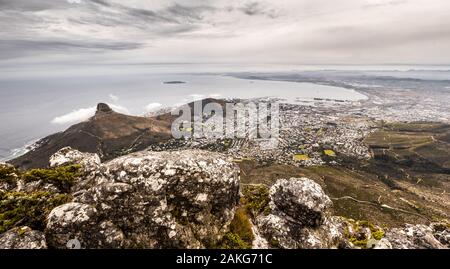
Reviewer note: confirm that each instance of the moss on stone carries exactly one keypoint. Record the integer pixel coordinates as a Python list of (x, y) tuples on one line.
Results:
[(242, 226), (233, 241), (256, 199), (27, 209), (63, 177), (240, 234), (357, 237)]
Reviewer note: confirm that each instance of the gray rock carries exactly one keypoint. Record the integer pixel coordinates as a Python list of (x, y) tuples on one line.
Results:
[(22, 238), (81, 223), (301, 199), (441, 231), (90, 165), (68, 156), (419, 237), (182, 199), (383, 243), (35, 186), (299, 216)]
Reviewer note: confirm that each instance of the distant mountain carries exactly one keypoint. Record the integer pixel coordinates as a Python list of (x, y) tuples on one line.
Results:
[(108, 133)]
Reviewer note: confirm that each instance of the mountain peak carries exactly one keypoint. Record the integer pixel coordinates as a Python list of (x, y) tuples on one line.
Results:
[(103, 108)]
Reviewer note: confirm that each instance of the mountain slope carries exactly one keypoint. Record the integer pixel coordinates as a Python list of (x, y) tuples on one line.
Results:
[(108, 133)]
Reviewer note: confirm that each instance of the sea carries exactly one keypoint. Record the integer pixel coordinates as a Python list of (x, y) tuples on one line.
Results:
[(36, 101)]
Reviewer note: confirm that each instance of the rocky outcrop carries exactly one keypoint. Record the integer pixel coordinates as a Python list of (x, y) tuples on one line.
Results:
[(22, 238), (299, 216), (67, 156), (435, 236), (183, 199), (179, 199)]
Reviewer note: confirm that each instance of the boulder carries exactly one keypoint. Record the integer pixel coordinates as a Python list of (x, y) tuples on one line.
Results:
[(435, 236), (22, 238), (68, 156), (80, 224), (299, 216), (181, 199), (300, 199)]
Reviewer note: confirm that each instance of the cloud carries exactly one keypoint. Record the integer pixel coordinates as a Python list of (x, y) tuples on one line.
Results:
[(152, 107), (256, 8), (84, 114), (74, 1), (18, 48), (27, 5), (196, 96), (79, 115), (255, 31), (114, 98)]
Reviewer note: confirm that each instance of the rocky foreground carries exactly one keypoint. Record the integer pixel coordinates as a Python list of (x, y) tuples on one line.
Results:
[(179, 199)]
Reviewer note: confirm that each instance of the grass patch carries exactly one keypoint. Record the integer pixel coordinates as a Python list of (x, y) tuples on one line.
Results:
[(62, 177), (27, 209)]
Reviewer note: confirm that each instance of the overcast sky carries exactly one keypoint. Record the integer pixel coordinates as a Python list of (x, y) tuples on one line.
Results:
[(242, 31)]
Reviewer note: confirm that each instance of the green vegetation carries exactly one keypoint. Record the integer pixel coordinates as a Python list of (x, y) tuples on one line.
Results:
[(233, 241), (256, 199), (240, 235), (358, 237), (30, 209), (62, 177), (8, 174)]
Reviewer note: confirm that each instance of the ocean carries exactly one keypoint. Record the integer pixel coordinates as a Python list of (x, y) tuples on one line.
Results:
[(38, 101)]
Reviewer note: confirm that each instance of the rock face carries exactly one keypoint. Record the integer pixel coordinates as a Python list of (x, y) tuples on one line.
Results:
[(301, 199), (68, 156), (435, 236), (183, 199), (22, 238), (103, 108), (299, 216)]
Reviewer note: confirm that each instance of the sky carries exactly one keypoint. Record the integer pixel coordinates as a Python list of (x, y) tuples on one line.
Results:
[(35, 32)]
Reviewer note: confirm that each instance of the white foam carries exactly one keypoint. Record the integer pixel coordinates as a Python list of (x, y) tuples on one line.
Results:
[(83, 114)]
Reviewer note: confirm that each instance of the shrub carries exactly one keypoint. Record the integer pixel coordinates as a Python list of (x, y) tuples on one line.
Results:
[(27, 209), (8, 173), (62, 177), (256, 199)]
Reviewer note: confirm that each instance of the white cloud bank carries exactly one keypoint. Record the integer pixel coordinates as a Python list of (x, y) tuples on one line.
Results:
[(83, 114), (152, 107), (114, 98)]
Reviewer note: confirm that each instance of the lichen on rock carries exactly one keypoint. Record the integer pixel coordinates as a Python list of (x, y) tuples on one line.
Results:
[(181, 199), (22, 238), (434, 236), (299, 216)]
